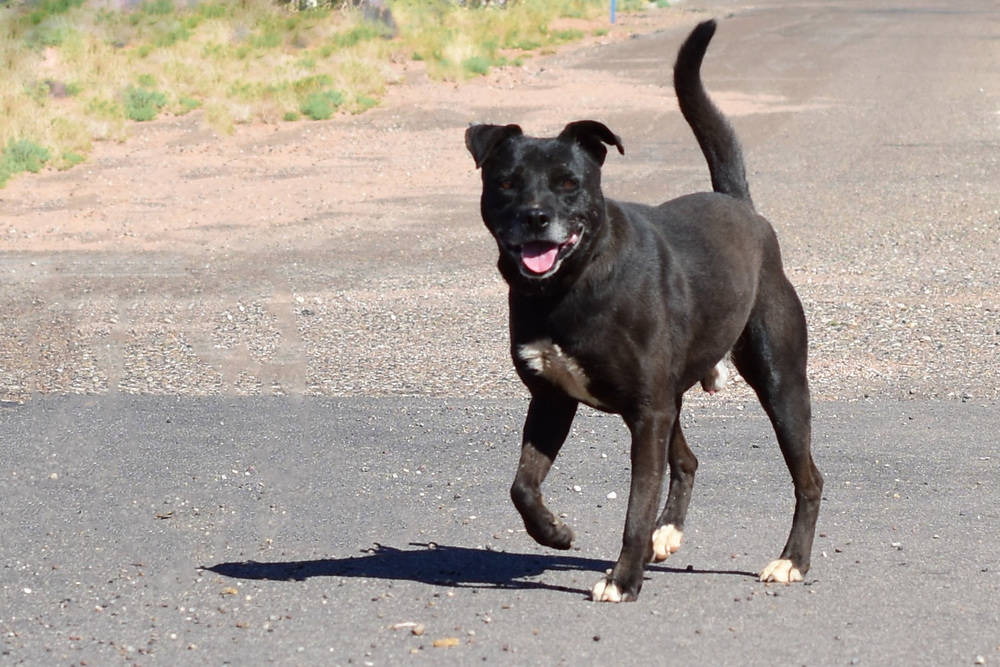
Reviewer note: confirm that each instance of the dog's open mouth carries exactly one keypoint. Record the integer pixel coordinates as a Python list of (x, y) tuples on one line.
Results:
[(541, 257)]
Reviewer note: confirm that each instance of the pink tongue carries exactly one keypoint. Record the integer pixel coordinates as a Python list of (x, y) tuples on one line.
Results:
[(539, 257)]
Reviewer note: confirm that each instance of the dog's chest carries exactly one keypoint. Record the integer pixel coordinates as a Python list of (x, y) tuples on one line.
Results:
[(547, 360)]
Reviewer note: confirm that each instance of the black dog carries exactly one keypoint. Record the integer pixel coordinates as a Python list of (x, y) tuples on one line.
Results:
[(625, 307)]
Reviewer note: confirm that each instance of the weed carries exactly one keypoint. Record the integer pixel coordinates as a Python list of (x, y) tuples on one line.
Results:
[(158, 7), (142, 104), (268, 40), (356, 35), (187, 104), (365, 103), (47, 8), (19, 156), (177, 33), (71, 159), (570, 35), (311, 84), (211, 10), (103, 109), (321, 105), (477, 65), (217, 116)]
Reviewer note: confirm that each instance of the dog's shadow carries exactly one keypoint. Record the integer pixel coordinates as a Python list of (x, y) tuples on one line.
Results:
[(439, 565)]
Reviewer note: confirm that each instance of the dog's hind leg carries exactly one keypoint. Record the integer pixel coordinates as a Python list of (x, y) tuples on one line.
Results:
[(669, 530), (771, 356), (545, 430)]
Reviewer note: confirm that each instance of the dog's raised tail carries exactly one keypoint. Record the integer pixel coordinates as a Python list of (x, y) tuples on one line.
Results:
[(715, 136)]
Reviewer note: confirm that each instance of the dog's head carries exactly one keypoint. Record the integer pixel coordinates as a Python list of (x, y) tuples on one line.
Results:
[(541, 198)]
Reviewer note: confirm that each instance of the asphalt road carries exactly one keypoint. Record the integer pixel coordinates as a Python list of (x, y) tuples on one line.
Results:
[(317, 530)]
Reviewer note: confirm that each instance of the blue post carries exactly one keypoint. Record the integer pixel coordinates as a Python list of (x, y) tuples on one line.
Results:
[(612, 12)]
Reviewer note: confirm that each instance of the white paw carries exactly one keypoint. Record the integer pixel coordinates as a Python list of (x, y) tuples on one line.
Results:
[(781, 571), (605, 591), (666, 540), (716, 379)]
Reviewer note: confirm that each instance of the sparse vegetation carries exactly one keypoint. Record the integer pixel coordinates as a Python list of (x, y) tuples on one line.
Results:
[(74, 73), (20, 156), (322, 104), (142, 104)]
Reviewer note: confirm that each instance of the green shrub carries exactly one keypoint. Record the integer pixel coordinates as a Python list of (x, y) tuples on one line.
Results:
[(570, 35), (178, 33), (321, 105), (360, 33), (47, 8), (19, 156), (365, 103), (212, 10), (158, 7), (188, 104), (142, 104), (71, 159), (269, 40), (477, 65)]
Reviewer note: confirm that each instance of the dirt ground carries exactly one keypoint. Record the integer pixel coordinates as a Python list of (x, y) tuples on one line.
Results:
[(346, 257), (177, 186), (307, 257)]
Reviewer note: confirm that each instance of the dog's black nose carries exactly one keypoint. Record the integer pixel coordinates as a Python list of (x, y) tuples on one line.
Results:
[(537, 217)]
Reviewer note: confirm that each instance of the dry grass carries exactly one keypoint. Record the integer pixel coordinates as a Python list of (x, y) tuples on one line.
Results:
[(75, 74)]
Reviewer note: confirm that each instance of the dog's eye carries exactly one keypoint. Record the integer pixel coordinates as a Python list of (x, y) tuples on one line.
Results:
[(506, 184), (568, 184)]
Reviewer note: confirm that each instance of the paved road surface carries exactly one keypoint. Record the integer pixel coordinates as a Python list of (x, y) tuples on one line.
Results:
[(304, 530)]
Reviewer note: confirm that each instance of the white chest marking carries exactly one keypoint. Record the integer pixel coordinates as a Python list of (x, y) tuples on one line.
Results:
[(549, 361)]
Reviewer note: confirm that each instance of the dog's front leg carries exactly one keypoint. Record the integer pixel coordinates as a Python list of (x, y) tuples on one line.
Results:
[(649, 444), (545, 430)]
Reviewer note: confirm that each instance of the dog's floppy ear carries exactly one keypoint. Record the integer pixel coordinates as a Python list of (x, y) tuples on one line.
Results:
[(482, 139), (592, 136)]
